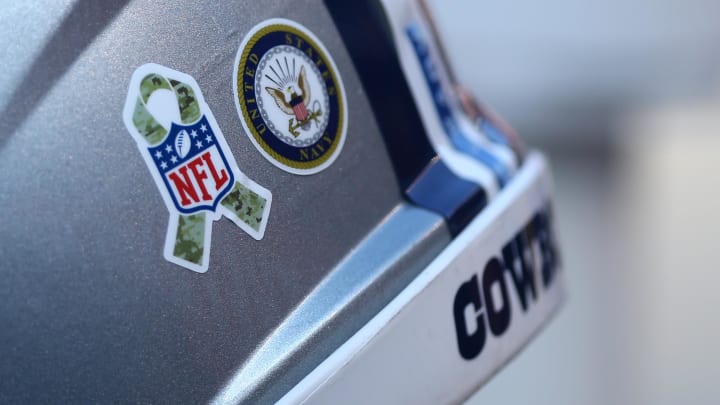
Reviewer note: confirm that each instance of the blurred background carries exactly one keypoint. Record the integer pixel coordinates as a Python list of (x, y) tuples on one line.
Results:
[(624, 96)]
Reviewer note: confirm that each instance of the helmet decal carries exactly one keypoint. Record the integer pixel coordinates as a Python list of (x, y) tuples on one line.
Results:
[(191, 163), (290, 97)]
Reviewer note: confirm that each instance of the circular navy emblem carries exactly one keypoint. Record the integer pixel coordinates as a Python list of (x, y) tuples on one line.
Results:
[(290, 97)]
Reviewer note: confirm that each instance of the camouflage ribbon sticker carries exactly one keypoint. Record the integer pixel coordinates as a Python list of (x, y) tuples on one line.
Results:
[(191, 163)]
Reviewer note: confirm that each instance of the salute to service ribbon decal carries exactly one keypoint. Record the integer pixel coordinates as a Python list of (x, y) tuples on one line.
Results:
[(191, 164), (290, 97)]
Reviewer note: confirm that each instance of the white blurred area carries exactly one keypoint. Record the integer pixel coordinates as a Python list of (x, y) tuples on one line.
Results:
[(625, 98)]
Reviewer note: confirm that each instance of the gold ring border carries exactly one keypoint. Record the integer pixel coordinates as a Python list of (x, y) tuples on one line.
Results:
[(241, 97)]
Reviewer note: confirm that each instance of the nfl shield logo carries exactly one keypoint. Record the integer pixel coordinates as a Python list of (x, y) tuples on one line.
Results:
[(191, 164), (194, 169)]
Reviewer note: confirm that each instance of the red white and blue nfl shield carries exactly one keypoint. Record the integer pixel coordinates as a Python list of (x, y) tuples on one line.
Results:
[(193, 167)]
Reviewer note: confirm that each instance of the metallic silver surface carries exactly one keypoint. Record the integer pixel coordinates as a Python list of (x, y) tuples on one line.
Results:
[(364, 282), (32, 24), (91, 311)]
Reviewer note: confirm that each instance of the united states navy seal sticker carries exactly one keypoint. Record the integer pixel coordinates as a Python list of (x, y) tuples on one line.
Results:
[(191, 164), (290, 97)]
